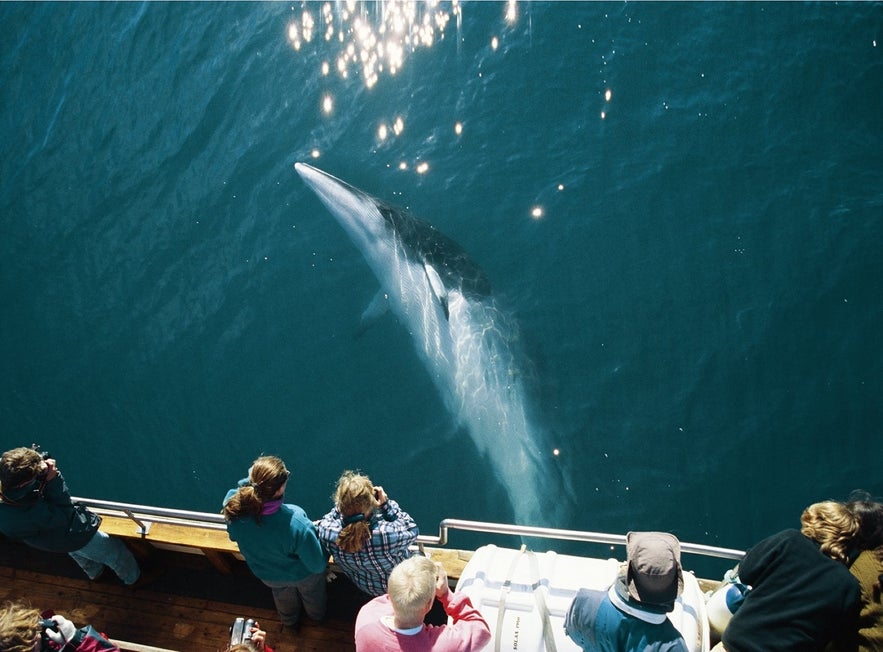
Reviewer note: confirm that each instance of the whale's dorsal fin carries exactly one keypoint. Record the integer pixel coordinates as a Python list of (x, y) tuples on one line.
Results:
[(438, 288)]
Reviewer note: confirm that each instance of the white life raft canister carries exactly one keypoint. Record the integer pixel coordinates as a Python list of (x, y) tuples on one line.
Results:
[(724, 602)]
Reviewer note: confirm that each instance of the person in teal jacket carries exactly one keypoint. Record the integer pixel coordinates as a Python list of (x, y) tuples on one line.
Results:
[(278, 541)]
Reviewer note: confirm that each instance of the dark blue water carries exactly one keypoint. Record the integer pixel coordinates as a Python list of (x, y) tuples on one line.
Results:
[(701, 297)]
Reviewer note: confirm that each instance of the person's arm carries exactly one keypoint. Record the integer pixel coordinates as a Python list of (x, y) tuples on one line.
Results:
[(329, 527), (469, 631), (55, 489), (68, 638), (397, 530), (306, 546)]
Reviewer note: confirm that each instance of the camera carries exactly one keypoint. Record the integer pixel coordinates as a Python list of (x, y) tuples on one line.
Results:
[(44, 624), (44, 455), (240, 631)]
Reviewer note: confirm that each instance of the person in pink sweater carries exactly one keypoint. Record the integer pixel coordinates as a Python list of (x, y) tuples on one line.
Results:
[(394, 622)]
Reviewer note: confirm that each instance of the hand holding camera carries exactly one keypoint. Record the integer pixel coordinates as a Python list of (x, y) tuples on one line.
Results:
[(58, 629), (441, 581), (48, 469), (247, 631), (380, 495)]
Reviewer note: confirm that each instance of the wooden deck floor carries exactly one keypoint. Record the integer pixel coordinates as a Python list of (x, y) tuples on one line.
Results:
[(189, 607)]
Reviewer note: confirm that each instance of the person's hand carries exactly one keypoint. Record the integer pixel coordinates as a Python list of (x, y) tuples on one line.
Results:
[(63, 632), (380, 495), (51, 469), (441, 581), (258, 636)]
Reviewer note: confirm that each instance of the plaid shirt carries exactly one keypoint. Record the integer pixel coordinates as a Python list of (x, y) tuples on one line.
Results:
[(392, 533)]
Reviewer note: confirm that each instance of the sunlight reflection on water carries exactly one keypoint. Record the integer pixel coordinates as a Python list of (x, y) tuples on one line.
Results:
[(373, 38)]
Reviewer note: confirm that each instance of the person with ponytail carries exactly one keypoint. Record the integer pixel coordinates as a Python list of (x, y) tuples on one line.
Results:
[(366, 532), (278, 541)]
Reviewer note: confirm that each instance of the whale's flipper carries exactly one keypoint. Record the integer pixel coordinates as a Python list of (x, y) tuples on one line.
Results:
[(378, 307)]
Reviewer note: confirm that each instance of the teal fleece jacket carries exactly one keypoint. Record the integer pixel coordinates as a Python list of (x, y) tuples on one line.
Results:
[(283, 547)]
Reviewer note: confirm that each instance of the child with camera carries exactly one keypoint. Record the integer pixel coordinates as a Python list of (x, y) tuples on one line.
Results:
[(247, 636), (25, 629)]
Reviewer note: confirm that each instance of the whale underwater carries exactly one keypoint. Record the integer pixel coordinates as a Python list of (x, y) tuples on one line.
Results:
[(469, 346)]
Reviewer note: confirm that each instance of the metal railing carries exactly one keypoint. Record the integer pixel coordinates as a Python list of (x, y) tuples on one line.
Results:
[(143, 515)]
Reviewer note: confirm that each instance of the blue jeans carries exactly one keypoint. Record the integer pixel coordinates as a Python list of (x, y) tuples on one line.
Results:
[(289, 596), (102, 551)]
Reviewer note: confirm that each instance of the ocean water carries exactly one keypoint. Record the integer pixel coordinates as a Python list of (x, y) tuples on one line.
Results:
[(680, 204)]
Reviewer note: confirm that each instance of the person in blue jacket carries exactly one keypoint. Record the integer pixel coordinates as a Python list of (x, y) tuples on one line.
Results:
[(631, 615), (278, 541)]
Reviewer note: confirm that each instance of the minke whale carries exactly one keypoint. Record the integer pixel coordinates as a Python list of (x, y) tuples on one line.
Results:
[(469, 346)]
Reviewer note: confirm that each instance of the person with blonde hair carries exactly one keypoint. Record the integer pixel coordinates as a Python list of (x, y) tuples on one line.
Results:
[(394, 621), (278, 541), (802, 595), (366, 532), (831, 526), (24, 629)]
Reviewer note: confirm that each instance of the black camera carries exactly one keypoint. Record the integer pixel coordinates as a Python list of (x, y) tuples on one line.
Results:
[(240, 631), (44, 455), (46, 623)]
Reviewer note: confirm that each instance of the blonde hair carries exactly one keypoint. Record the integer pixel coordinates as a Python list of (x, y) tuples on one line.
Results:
[(354, 496), (19, 627), (832, 525), (266, 476), (244, 647), (411, 586)]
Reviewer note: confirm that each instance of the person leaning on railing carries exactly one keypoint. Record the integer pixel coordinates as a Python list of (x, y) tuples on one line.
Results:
[(36, 508), (367, 532), (802, 595), (278, 541)]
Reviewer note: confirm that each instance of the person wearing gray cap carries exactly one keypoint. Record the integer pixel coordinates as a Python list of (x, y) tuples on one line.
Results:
[(631, 614)]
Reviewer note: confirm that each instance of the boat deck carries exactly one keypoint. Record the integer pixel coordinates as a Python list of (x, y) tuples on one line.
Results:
[(189, 607)]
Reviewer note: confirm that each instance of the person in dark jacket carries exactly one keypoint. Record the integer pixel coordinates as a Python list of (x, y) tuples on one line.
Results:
[(36, 508), (802, 595)]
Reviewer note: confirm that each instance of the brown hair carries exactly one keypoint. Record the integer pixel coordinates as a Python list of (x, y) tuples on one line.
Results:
[(266, 476), (19, 627), (354, 496), (832, 525), (18, 466)]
